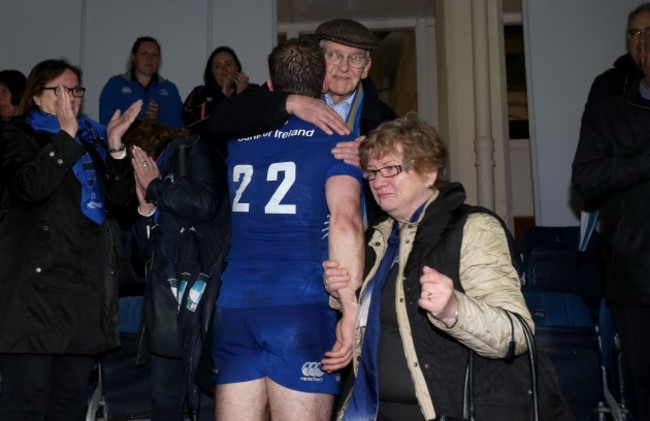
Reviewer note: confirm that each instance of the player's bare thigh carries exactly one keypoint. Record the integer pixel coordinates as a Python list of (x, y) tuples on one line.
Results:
[(288, 404), (245, 401)]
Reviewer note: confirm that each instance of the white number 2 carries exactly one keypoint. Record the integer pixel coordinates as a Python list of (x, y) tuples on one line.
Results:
[(244, 174)]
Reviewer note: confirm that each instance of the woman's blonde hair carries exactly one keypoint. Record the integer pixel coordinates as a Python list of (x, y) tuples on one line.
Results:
[(421, 147)]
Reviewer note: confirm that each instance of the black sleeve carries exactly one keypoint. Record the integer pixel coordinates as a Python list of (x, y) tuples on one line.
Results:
[(192, 107), (248, 114), (197, 197)]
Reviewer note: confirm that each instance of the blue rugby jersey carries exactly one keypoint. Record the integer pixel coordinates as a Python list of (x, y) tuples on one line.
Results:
[(280, 215)]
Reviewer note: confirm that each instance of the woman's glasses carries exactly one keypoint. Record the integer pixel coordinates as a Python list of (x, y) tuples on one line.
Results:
[(386, 172), (76, 92)]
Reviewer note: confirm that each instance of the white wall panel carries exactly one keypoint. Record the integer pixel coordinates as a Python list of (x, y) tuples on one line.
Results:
[(35, 30), (568, 43)]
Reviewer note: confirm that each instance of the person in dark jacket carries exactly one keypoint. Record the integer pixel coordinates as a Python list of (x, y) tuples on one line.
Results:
[(180, 185), (223, 77), (65, 174), (427, 299), (611, 169), (12, 84), (626, 72)]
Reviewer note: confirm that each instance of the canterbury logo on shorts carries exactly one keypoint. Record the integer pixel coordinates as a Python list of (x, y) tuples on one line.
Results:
[(311, 372)]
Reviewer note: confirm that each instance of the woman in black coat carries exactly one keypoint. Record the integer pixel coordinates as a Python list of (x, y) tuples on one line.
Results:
[(180, 185), (63, 175)]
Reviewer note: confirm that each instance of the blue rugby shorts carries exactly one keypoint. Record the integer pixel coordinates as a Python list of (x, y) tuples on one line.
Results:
[(283, 343)]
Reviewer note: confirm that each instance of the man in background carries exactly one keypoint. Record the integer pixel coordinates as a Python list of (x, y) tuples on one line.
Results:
[(611, 171)]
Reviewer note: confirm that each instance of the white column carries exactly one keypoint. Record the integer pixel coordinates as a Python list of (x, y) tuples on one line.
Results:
[(483, 141)]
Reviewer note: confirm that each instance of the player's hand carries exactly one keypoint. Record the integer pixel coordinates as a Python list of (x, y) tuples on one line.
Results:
[(341, 354)]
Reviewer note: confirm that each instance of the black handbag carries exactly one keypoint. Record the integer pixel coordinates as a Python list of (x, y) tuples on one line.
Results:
[(469, 412)]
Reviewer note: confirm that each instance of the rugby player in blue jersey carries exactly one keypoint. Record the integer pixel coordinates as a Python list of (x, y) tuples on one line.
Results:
[(277, 342)]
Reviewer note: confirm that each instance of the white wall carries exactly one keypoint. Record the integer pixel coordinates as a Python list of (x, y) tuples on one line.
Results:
[(98, 35), (568, 43)]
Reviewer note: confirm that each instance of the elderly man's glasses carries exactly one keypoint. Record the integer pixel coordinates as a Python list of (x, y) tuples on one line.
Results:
[(355, 60), (386, 172), (76, 92), (636, 32)]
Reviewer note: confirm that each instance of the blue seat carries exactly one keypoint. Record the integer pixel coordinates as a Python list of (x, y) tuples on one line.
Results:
[(567, 270), (566, 333), (575, 355), (557, 309), (564, 238)]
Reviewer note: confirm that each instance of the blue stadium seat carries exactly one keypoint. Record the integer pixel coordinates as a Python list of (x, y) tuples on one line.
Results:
[(566, 270)]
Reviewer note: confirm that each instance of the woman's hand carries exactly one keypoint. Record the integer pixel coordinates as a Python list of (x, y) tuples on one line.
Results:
[(65, 114), (349, 151), (153, 109), (144, 207), (438, 297), (144, 167), (318, 113), (241, 82), (120, 123), (334, 278)]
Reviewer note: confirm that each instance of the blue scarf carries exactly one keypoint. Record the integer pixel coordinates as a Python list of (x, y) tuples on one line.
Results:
[(363, 404), (90, 133), (364, 401)]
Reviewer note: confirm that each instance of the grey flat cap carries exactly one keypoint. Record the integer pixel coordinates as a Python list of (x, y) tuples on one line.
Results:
[(347, 32)]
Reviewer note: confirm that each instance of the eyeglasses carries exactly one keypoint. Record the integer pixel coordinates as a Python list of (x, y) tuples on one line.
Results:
[(76, 92), (635, 32), (355, 60), (386, 172)]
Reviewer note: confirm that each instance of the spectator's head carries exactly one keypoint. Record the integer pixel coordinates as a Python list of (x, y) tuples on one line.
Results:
[(12, 85), (346, 45), (297, 66), (145, 56), (403, 160), (40, 88), (222, 66), (151, 136), (637, 21)]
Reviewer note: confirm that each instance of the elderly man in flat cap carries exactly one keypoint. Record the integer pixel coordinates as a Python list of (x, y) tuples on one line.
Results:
[(351, 102)]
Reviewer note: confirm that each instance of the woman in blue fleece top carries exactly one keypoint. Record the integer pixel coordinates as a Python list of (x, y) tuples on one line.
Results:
[(160, 96)]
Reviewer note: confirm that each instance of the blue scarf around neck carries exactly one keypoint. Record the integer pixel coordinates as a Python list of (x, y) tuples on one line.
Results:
[(90, 133)]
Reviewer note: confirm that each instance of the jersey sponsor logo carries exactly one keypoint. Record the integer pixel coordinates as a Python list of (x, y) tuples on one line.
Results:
[(126, 90), (163, 92), (311, 372), (280, 134)]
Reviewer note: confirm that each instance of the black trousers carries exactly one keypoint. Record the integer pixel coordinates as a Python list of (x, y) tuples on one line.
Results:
[(633, 325), (44, 387)]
